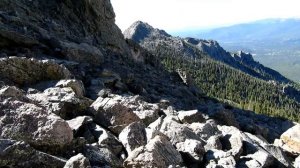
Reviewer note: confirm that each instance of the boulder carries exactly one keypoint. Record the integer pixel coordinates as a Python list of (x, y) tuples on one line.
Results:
[(78, 161), (290, 140), (113, 114), (133, 136), (258, 159), (76, 85), (213, 142), (12, 92), (101, 157), (62, 101), (83, 53), (176, 132), (33, 124), (192, 151), (20, 154), (21, 70), (224, 117), (205, 130), (106, 139), (190, 117), (84, 127), (158, 152)]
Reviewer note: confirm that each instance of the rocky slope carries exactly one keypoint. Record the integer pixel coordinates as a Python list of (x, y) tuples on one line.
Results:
[(75, 93)]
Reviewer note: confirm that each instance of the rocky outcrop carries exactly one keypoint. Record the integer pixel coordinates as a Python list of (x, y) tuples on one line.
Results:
[(21, 70), (56, 55)]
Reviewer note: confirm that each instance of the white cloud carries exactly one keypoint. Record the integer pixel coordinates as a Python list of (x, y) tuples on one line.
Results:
[(179, 14)]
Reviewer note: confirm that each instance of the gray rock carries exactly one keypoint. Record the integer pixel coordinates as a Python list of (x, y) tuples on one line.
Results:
[(192, 151), (106, 139), (133, 136), (79, 122), (205, 130), (20, 154), (33, 124), (62, 101), (176, 132), (258, 159), (101, 157), (290, 140), (11, 91), (78, 161), (190, 116), (82, 52), (213, 142), (297, 162), (21, 70), (76, 85), (159, 152), (113, 114)]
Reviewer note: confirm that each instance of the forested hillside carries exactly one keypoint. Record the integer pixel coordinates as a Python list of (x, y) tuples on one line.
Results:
[(221, 80)]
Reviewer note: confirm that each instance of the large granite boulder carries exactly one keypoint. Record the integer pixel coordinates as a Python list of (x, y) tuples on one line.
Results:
[(113, 114), (33, 124)]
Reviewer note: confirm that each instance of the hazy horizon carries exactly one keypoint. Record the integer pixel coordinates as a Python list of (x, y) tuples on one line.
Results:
[(178, 15)]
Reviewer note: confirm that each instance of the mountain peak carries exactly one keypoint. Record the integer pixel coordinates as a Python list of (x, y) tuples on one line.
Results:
[(139, 30)]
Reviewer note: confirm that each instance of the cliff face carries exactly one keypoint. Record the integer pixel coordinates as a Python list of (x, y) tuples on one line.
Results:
[(75, 93), (55, 22)]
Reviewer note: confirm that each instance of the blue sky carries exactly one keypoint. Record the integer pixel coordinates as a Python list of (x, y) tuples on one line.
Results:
[(175, 15)]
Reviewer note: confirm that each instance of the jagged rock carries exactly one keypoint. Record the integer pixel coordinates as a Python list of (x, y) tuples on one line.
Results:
[(192, 151), (62, 101), (83, 53), (106, 139), (76, 85), (78, 161), (205, 130), (9, 37), (297, 162), (290, 140), (176, 132), (213, 142), (147, 112), (101, 157), (133, 136), (11, 91), (159, 152), (232, 147), (79, 122), (113, 114), (20, 154), (33, 124), (258, 159), (21, 70), (190, 116)]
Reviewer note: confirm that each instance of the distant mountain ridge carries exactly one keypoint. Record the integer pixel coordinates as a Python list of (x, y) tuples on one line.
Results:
[(147, 35), (262, 30)]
